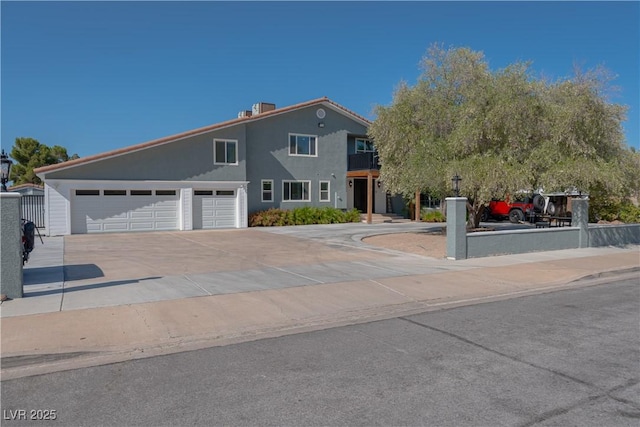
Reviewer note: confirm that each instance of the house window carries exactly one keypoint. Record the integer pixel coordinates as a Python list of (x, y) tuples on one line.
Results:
[(324, 191), (203, 192), (225, 193), (296, 191), (364, 146), (303, 145), (267, 190), (140, 192), (225, 152), (165, 192)]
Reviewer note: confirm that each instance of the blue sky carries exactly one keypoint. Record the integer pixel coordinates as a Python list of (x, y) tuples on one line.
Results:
[(97, 76)]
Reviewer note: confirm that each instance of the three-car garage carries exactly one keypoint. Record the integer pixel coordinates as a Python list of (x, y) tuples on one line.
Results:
[(103, 207)]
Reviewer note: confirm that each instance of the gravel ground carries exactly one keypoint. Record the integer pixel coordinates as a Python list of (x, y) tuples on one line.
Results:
[(432, 245)]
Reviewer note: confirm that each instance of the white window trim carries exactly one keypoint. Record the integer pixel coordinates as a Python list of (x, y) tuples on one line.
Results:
[(302, 155), (295, 181), (215, 160), (328, 199), (365, 150), (262, 191)]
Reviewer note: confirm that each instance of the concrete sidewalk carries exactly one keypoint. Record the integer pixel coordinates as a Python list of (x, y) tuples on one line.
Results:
[(61, 326)]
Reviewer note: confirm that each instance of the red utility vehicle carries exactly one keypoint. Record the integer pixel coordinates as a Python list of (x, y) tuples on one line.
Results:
[(528, 207), (516, 210)]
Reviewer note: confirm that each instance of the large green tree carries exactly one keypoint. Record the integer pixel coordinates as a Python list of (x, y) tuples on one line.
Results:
[(503, 131), (30, 154)]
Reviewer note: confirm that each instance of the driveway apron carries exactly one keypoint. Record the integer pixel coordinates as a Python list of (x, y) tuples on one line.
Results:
[(116, 269)]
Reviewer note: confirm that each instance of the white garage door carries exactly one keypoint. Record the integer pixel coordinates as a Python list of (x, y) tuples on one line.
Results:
[(98, 211), (214, 209)]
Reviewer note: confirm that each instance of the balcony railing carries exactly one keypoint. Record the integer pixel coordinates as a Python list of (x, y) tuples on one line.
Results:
[(363, 161)]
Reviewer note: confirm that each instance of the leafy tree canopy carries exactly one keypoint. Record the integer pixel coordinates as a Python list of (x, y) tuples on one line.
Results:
[(503, 131), (30, 154)]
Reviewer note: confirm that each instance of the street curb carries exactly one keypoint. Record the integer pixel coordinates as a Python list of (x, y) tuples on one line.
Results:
[(39, 364), (609, 273)]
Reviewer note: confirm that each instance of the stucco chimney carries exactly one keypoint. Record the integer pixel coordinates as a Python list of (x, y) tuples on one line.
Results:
[(262, 107)]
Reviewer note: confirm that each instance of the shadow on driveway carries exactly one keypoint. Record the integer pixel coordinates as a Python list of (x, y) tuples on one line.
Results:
[(86, 287), (59, 273), (82, 272)]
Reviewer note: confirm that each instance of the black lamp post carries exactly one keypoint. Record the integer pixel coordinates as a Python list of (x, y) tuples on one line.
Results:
[(456, 184), (5, 168)]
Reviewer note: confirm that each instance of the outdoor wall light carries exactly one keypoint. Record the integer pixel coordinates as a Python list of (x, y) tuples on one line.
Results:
[(320, 124), (350, 183), (456, 184), (379, 184), (5, 168)]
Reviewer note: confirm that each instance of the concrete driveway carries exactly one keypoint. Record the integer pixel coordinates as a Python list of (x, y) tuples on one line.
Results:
[(100, 270), (92, 258), (143, 255)]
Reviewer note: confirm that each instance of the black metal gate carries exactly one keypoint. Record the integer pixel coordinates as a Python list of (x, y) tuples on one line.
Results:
[(33, 209)]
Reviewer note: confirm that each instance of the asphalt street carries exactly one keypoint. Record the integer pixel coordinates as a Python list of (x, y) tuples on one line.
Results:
[(564, 358)]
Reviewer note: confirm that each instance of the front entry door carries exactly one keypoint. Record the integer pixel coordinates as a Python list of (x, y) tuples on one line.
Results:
[(360, 195)]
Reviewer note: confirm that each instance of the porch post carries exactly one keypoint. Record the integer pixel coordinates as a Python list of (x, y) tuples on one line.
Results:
[(369, 197), (417, 207)]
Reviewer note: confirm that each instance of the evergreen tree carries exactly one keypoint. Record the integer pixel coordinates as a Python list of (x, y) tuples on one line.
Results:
[(30, 154)]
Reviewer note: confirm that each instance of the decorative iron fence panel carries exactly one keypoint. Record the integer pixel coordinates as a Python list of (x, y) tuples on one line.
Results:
[(33, 209)]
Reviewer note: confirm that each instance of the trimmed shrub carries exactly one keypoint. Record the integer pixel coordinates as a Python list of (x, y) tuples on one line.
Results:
[(352, 215), (613, 210), (432, 216), (630, 213), (302, 216)]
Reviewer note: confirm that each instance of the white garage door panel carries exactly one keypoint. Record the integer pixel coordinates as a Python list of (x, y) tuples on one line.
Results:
[(90, 228), (141, 226), (166, 214), (95, 214), (114, 226), (214, 212), (141, 214)]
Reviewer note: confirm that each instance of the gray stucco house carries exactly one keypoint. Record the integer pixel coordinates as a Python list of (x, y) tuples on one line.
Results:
[(315, 153)]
